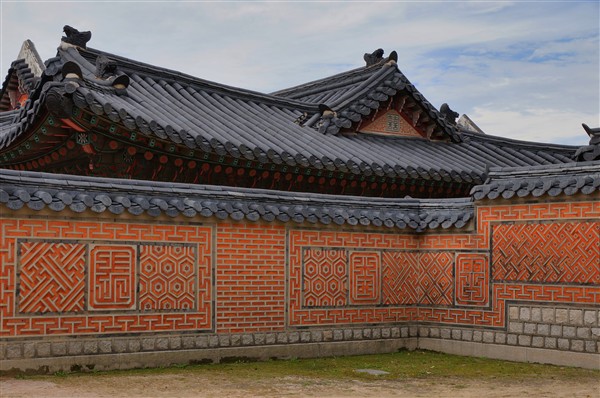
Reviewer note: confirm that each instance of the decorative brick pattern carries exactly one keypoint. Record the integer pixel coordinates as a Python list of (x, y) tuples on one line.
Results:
[(566, 252), (112, 277), (302, 240), (167, 277), (400, 277), (325, 278), (365, 278), (52, 277), (435, 278), (65, 245), (418, 280), (472, 279), (427, 281), (541, 326), (8, 266)]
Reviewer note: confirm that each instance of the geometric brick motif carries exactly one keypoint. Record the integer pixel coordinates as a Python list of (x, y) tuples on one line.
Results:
[(167, 277), (58, 283), (472, 279), (365, 281), (52, 277), (566, 252), (112, 277), (435, 278), (400, 277), (325, 278)]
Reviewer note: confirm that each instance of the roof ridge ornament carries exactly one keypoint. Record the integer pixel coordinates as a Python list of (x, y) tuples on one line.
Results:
[(374, 58), (448, 114), (327, 115), (591, 151), (392, 59), (105, 67), (75, 37), (593, 133)]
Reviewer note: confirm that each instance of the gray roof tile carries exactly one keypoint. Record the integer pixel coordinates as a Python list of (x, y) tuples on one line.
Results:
[(40, 190), (250, 125), (536, 181)]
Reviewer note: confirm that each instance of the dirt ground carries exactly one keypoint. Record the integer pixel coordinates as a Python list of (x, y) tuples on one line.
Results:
[(202, 385)]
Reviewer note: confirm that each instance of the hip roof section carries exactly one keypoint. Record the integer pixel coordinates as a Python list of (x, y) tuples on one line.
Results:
[(304, 128)]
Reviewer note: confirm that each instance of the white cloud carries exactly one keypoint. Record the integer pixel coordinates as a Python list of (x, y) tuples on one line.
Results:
[(533, 124)]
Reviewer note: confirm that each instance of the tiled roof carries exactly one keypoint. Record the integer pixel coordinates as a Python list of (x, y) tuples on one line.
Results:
[(356, 93), (243, 124), (566, 179), (59, 192), (19, 73), (592, 150)]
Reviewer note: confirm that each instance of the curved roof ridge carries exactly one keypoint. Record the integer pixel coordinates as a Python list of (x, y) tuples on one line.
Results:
[(532, 171), (58, 192), (562, 179), (127, 64), (364, 87), (316, 85), (520, 143), (160, 187)]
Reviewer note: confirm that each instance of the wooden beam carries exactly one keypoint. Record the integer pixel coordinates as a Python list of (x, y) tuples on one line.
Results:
[(415, 117), (401, 102)]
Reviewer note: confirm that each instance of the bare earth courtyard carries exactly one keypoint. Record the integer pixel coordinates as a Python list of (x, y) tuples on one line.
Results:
[(409, 374), (202, 385)]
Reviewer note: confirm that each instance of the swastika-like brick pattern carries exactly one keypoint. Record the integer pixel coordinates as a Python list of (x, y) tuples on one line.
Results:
[(52, 277), (48, 294), (112, 277), (365, 278), (435, 278), (302, 241), (325, 278), (472, 279), (167, 277), (401, 277), (256, 272), (405, 258), (567, 252)]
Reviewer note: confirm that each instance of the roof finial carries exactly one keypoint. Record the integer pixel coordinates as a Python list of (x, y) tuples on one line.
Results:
[(105, 66), (592, 151), (75, 37), (594, 133), (374, 58), (392, 59), (448, 113)]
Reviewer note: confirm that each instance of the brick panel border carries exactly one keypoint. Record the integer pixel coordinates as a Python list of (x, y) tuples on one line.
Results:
[(17, 236)]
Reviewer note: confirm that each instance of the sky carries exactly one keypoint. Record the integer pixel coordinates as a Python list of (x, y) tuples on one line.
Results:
[(527, 70)]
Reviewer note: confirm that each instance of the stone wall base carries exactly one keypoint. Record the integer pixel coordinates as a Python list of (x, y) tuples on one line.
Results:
[(302, 350), (208, 355), (511, 353)]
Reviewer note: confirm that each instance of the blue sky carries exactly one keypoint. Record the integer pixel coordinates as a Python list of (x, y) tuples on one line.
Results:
[(526, 70)]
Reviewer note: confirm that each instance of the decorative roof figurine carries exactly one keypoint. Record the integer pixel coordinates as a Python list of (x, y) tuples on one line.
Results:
[(75, 37)]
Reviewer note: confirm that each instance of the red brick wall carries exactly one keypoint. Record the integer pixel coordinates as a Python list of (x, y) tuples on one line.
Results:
[(250, 277), (78, 277), (539, 253), (70, 277)]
